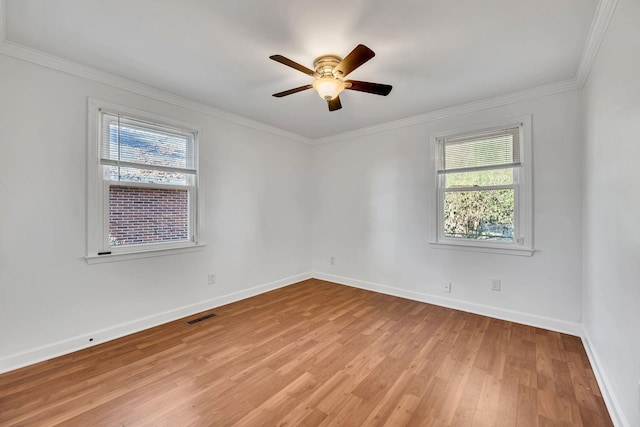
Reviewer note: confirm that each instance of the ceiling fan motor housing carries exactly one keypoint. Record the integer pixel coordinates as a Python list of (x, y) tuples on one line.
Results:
[(328, 81), (325, 65)]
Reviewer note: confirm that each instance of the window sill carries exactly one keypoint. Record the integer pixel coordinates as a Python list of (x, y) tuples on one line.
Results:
[(124, 256), (504, 250)]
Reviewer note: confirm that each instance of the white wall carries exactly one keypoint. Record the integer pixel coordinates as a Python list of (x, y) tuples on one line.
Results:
[(374, 200), (612, 209), (369, 199), (257, 220)]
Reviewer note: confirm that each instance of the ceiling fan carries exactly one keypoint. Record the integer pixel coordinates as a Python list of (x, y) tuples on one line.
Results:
[(329, 74)]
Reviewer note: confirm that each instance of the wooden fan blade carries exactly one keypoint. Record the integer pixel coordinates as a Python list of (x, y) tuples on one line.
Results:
[(289, 63), (375, 88), (334, 104), (356, 58), (290, 91)]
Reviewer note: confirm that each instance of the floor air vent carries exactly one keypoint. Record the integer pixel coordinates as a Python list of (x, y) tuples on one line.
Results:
[(200, 319)]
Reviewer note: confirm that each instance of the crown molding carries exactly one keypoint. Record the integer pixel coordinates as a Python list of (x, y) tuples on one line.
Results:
[(471, 107), (35, 56), (599, 25), (50, 61), (602, 18)]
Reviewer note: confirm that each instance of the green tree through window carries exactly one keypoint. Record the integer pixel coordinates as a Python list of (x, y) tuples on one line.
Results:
[(473, 211)]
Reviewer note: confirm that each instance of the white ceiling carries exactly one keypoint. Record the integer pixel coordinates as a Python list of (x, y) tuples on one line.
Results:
[(435, 53)]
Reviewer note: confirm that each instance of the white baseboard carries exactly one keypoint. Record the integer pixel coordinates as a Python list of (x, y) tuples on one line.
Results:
[(49, 351), (557, 325), (613, 405)]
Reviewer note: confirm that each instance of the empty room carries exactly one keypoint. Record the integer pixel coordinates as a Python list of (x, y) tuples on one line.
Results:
[(246, 213)]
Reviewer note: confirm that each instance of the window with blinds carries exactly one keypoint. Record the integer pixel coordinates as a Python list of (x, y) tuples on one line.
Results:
[(479, 177), (146, 188), (151, 172)]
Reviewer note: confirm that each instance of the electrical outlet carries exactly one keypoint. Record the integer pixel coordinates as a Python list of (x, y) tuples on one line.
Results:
[(211, 279), (447, 288), (495, 284), (332, 260)]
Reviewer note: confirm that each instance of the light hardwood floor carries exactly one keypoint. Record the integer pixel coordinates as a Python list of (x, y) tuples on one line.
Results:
[(316, 353)]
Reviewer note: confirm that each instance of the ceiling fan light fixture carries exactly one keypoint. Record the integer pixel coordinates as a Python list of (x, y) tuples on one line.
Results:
[(330, 72), (328, 87)]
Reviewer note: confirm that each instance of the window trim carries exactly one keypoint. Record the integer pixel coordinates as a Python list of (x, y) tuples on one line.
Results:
[(523, 193), (97, 191)]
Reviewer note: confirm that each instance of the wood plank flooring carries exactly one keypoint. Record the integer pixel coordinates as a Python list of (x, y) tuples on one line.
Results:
[(316, 354)]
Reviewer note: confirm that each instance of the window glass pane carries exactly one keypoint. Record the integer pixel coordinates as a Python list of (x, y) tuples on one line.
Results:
[(129, 140), (147, 215), (480, 178), (144, 175), (147, 147), (479, 215)]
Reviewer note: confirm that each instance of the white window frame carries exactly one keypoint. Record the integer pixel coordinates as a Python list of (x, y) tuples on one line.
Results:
[(523, 193), (98, 248)]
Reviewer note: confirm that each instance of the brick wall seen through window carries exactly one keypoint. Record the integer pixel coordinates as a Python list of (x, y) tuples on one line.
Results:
[(147, 215)]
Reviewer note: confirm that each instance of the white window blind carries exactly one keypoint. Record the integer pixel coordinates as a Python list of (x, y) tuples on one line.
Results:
[(139, 151), (487, 150)]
